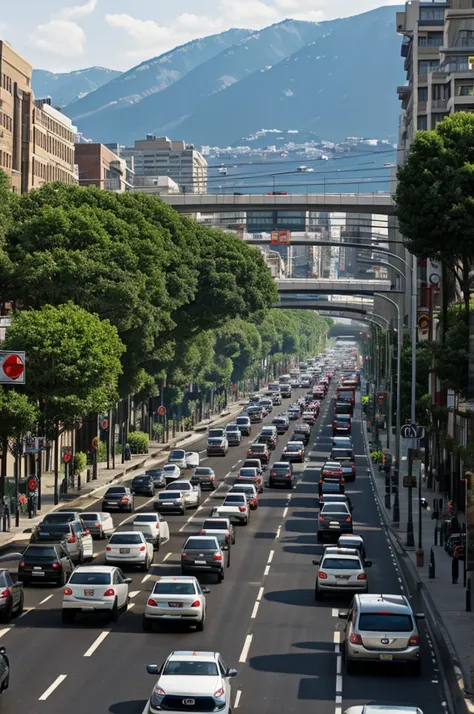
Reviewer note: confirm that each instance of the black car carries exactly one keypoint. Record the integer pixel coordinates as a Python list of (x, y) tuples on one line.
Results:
[(202, 554), (11, 596), (205, 477), (299, 435), (268, 439), (347, 460), (42, 563), (259, 451), (158, 477), (118, 498), (281, 474), (143, 485)]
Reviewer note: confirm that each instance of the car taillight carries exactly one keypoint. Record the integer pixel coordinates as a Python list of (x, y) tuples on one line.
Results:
[(341, 481), (362, 576), (288, 475), (273, 473), (242, 509), (249, 452), (72, 539), (414, 640), (322, 575), (125, 499), (152, 602), (335, 424), (355, 639), (184, 555), (142, 548), (109, 547), (353, 468), (202, 531), (97, 525), (348, 519), (67, 591), (321, 518), (56, 565), (217, 556), (157, 526), (22, 564), (109, 593), (212, 478), (196, 603)]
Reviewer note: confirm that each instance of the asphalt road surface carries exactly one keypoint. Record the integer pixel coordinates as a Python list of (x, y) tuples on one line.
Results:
[(263, 618)]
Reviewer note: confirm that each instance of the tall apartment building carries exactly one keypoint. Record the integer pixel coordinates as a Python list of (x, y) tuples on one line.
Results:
[(159, 156), (99, 166), (36, 141)]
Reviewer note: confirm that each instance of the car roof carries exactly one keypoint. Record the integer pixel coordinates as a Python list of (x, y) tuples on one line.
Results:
[(199, 537), (180, 481), (295, 443), (382, 709), (237, 488), (344, 556), (334, 550), (95, 568), (168, 493), (331, 463), (283, 464), (353, 538), (190, 655), (176, 578), (394, 603)]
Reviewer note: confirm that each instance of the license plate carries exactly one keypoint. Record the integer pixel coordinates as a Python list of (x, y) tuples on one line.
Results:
[(35, 572), (125, 550), (175, 604), (111, 503), (88, 593), (37, 567), (334, 524), (43, 533), (342, 577), (200, 562), (386, 657)]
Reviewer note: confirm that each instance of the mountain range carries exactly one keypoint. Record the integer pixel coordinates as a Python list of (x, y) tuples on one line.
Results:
[(336, 79), (65, 87)]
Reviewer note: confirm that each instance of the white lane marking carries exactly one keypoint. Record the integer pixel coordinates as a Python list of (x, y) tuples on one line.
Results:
[(204, 459), (4, 631), (260, 594), (235, 465), (335, 612), (146, 577), (255, 610), (26, 611), (278, 532), (245, 648), (267, 570), (270, 557), (46, 599), (338, 683), (238, 694), (167, 557), (338, 699), (339, 665), (94, 555), (54, 686), (130, 605), (134, 593), (336, 638), (96, 644), (338, 710), (285, 512)]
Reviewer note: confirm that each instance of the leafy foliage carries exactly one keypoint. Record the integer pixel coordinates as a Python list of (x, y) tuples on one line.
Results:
[(18, 414)]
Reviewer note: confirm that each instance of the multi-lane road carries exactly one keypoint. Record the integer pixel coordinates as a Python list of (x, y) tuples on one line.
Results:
[(263, 618)]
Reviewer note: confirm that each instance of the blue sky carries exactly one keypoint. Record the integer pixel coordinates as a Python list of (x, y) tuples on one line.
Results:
[(62, 36)]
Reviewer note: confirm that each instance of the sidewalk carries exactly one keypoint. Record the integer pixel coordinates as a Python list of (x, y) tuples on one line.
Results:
[(444, 603), (157, 455)]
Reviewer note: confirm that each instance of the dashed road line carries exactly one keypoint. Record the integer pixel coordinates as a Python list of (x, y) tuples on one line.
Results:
[(238, 694), (96, 643), (278, 533), (260, 594), (246, 648), (285, 512), (53, 686), (146, 577), (167, 557), (270, 556), (134, 593), (255, 610), (46, 599), (267, 570)]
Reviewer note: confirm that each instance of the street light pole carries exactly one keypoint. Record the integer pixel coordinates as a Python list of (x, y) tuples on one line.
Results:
[(414, 290)]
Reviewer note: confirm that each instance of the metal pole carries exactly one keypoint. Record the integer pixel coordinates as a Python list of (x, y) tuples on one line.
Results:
[(398, 426), (414, 289)]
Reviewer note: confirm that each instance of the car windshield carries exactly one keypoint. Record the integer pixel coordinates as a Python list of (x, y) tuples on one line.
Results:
[(40, 552), (293, 446), (193, 668), (385, 622), (90, 516), (169, 495), (175, 588), (59, 518), (126, 538), (248, 472), (341, 564), (203, 471), (200, 544), (335, 508), (177, 454), (342, 453), (237, 498), (90, 578), (182, 486), (145, 518), (215, 524), (119, 491)]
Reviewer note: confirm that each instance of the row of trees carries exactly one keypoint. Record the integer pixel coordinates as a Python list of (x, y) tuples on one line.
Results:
[(115, 293)]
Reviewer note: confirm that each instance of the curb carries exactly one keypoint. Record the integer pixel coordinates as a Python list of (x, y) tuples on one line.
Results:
[(450, 669)]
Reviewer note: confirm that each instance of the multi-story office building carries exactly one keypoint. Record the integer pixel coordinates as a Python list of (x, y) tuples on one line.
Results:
[(52, 146), (159, 156), (98, 166)]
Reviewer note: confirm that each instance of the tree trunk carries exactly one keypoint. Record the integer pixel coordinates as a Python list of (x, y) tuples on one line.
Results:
[(3, 473), (465, 285)]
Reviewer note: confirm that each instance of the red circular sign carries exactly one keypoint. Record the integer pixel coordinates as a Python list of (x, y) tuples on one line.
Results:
[(161, 410), (32, 484), (13, 366), (67, 456), (104, 424)]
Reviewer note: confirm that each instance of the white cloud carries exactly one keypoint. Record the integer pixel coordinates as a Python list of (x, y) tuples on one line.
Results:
[(60, 37), (76, 11)]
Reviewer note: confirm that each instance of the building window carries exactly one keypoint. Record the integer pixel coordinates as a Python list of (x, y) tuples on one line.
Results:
[(422, 94), (425, 66), (465, 90), (436, 118), (432, 39), (432, 13), (422, 123), (464, 38)]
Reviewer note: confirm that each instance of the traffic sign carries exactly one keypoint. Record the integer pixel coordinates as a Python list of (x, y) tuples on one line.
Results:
[(104, 424), (409, 431), (67, 456), (32, 484), (161, 410), (12, 367)]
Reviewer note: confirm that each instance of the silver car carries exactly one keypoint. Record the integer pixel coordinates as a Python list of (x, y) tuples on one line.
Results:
[(381, 628), (178, 598), (340, 570), (99, 524)]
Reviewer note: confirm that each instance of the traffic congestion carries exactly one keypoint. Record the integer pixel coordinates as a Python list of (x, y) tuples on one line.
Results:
[(252, 572)]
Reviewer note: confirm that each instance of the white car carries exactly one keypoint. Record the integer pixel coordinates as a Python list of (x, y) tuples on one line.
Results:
[(176, 598), (154, 528), (99, 524), (235, 507), (178, 457), (192, 459), (382, 709), (192, 494), (340, 570), (186, 676), (95, 588), (171, 472), (130, 547)]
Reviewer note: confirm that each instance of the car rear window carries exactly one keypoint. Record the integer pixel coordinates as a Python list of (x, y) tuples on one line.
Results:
[(176, 588), (236, 498), (342, 453), (180, 486), (385, 622), (126, 538), (59, 518), (293, 446), (242, 420), (145, 518), (248, 472), (90, 517), (141, 479), (202, 471), (90, 578), (215, 524), (258, 448), (177, 454), (41, 552), (343, 417), (169, 495), (54, 528), (335, 508), (118, 491), (216, 440), (200, 544), (341, 563)]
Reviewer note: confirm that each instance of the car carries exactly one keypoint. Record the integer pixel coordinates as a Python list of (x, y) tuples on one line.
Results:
[(301, 432), (250, 491), (344, 406), (250, 475), (244, 424), (178, 598), (154, 528), (11, 596), (95, 588), (347, 460), (45, 562), (178, 457), (319, 392), (130, 548), (192, 494), (235, 507), (334, 519), (309, 417), (293, 451), (74, 535), (171, 473), (381, 628), (267, 404), (268, 436), (201, 677), (169, 501), (218, 524), (276, 399), (217, 446), (340, 570), (192, 459), (281, 474), (253, 464), (294, 412), (332, 471), (282, 423), (203, 554), (255, 414), (342, 442), (98, 523), (285, 391), (58, 517), (233, 434), (259, 451), (158, 477), (204, 477), (143, 485), (341, 424), (332, 495), (118, 498), (353, 541)]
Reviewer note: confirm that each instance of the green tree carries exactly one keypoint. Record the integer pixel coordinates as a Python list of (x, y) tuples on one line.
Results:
[(435, 196), (424, 354), (18, 416), (452, 356)]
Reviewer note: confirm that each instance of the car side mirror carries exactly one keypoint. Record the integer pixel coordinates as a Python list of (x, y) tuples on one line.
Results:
[(206, 591), (315, 562), (231, 673), (368, 563), (128, 581), (2, 650), (153, 669), (419, 616), (343, 614)]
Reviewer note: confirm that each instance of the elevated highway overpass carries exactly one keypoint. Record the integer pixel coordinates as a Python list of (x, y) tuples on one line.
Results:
[(375, 203), (326, 286), (348, 305)]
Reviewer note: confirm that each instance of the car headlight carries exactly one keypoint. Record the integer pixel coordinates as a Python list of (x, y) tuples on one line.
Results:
[(157, 696)]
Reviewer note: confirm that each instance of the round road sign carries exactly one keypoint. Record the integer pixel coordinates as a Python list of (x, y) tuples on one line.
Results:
[(13, 366), (67, 456), (161, 410), (104, 424), (32, 484)]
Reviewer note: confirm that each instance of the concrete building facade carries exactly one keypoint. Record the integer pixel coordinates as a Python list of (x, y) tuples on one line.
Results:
[(99, 166), (52, 146)]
